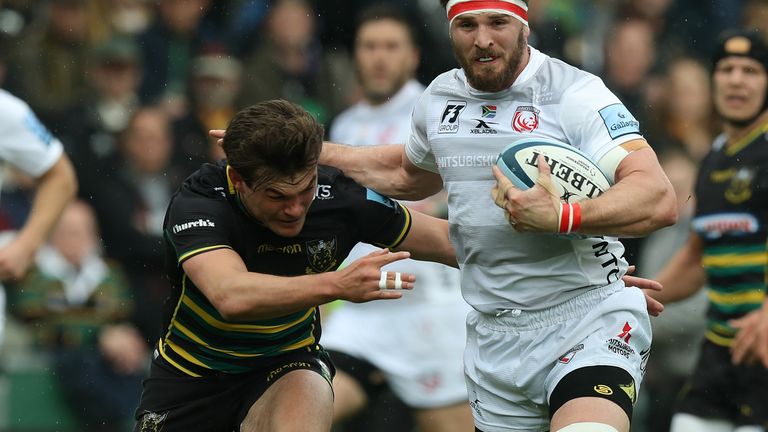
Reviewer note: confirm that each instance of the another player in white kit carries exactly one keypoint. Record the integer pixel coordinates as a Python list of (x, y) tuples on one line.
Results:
[(421, 356), (27, 145), (556, 341)]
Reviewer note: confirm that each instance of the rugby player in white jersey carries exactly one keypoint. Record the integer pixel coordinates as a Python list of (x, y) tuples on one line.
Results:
[(420, 358), (27, 145), (556, 341)]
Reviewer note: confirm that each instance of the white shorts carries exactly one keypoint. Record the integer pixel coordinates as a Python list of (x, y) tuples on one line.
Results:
[(419, 347), (514, 361)]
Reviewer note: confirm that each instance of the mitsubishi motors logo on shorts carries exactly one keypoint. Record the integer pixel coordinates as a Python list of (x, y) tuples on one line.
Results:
[(449, 120), (625, 332), (620, 343), (526, 119)]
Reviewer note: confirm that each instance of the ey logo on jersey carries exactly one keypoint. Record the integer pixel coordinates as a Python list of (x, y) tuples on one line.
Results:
[(449, 121)]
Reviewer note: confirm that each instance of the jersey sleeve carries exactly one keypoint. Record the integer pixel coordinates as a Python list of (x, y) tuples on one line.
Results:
[(24, 142), (417, 147), (196, 224), (595, 120)]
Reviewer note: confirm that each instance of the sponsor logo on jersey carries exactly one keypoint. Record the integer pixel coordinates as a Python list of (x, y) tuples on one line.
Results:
[(488, 111), (625, 332), (603, 389), (716, 225), (449, 121), (285, 368), (483, 160), (630, 390), (740, 188), (372, 195), (526, 119), (610, 262), (323, 192), (483, 127), (568, 356), (290, 249), (322, 255), (618, 346), (619, 121), (193, 224), (152, 422)]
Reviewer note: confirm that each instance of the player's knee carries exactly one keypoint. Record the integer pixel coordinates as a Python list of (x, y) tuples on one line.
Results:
[(588, 427)]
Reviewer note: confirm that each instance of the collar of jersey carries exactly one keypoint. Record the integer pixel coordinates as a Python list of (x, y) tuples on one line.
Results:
[(535, 60), (762, 127), (233, 192)]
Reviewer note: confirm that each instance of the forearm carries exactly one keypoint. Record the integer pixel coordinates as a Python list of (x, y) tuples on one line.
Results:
[(55, 189), (684, 275), (255, 296), (641, 202), (428, 240), (381, 168)]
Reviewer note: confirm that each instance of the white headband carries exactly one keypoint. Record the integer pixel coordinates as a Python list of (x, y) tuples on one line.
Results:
[(515, 8)]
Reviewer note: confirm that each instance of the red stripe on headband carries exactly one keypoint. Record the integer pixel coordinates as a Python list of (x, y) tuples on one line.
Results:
[(469, 6)]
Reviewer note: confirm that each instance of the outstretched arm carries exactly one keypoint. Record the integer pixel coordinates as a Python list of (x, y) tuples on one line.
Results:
[(428, 240), (240, 295), (684, 275), (55, 189)]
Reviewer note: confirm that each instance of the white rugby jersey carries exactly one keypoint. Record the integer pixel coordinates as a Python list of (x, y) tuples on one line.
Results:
[(24, 142), (458, 132), (390, 123)]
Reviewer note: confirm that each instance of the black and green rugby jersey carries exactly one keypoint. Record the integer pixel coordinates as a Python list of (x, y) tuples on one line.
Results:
[(731, 218), (205, 214)]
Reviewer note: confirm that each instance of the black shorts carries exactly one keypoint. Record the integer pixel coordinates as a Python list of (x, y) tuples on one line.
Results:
[(175, 402), (718, 389)]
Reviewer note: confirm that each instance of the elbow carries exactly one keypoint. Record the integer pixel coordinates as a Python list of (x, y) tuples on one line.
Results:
[(665, 212), (229, 307)]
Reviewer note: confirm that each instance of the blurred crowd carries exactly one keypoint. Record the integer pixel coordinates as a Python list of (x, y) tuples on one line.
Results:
[(131, 88)]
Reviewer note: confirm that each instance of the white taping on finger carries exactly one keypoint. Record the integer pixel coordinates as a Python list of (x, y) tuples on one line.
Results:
[(383, 281), (398, 281)]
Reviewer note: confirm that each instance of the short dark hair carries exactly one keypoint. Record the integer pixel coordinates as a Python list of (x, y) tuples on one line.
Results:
[(387, 11), (271, 140)]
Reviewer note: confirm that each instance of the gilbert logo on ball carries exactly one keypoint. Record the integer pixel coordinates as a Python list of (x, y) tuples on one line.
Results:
[(575, 175)]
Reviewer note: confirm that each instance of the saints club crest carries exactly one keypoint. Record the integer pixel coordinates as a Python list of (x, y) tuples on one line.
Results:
[(322, 255)]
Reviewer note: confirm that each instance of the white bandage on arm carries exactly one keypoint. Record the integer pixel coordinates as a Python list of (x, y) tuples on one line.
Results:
[(611, 160), (588, 427)]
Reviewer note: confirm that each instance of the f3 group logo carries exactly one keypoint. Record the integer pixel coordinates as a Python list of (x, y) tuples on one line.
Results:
[(449, 121)]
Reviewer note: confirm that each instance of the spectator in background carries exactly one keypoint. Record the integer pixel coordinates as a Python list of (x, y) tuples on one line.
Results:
[(214, 85), (726, 250), (90, 130), (291, 64), (49, 63), (683, 115), (130, 201), (129, 17), (78, 304), (421, 358), (167, 49)]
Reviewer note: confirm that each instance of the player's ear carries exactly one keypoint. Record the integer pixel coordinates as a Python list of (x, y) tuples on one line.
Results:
[(237, 180)]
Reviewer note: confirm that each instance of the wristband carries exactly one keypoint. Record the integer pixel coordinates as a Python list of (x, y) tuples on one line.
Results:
[(569, 217)]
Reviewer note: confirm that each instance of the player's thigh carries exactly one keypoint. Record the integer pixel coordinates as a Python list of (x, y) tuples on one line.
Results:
[(449, 418), (299, 401), (590, 409), (350, 396)]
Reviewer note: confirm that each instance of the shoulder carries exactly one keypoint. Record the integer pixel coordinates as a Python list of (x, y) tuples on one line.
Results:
[(13, 108)]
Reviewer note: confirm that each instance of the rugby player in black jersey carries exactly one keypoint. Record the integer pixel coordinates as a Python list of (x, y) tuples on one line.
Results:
[(727, 250), (252, 244)]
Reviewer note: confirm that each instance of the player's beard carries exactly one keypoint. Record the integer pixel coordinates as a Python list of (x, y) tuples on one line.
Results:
[(487, 81)]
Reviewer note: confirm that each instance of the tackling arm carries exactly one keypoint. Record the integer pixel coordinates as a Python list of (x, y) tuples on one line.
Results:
[(385, 169), (428, 240), (239, 295)]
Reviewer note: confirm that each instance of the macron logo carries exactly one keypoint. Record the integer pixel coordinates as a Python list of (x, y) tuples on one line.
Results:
[(198, 223)]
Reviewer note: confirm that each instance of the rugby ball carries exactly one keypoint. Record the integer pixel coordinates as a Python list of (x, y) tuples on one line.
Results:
[(573, 173)]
